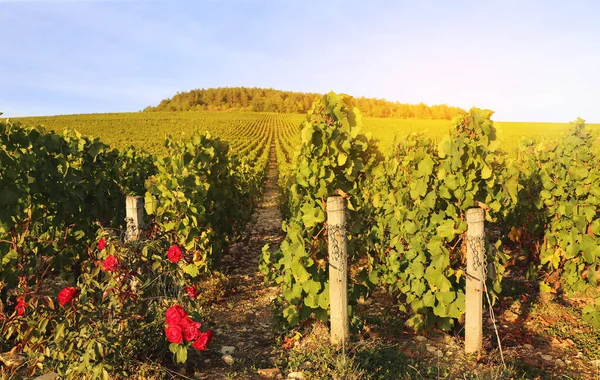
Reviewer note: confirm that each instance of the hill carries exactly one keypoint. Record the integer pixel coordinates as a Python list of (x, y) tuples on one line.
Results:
[(271, 100)]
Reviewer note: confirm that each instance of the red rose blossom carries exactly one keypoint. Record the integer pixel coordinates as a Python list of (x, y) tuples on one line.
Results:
[(101, 244), (66, 295), (110, 263), (174, 254), (190, 329), (180, 327), (173, 334), (174, 315), (203, 340), (21, 305), (191, 291)]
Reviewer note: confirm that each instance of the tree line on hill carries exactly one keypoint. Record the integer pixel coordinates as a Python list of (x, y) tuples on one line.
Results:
[(271, 100)]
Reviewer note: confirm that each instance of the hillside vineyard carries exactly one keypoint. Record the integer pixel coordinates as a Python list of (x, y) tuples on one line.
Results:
[(407, 186)]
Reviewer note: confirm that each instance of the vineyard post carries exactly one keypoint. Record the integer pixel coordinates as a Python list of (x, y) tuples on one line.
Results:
[(338, 281), (475, 278), (134, 211)]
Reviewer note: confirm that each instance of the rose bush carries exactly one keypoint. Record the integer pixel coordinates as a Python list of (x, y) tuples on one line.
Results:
[(56, 192), (111, 318)]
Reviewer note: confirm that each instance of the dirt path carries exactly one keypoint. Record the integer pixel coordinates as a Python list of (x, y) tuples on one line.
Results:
[(243, 320)]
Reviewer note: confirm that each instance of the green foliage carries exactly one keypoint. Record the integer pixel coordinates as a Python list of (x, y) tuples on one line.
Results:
[(201, 195), (120, 130), (54, 192), (560, 209), (420, 203), (333, 157), (115, 319), (189, 193), (286, 141)]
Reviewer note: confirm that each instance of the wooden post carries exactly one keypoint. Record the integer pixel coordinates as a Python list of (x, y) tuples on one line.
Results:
[(475, 278), (134, 211), (338, 280)]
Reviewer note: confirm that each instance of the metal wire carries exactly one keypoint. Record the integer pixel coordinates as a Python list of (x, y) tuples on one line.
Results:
[(337, 233), (478, 244)]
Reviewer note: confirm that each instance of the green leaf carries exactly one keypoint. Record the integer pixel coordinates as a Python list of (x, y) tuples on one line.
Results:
[(311, 301), (150, 203), (311, 286), (300, 273), (324, 298), (595, 227), (446, 229), (192, 270), (417, 269), (425, 167), (307, 133), (591, 256), (445, 297), (312, 215), (410, 227), (376, 200), (451, 182), (457, 308), (182, 354), (429, 299), (444, 147), (11, 255), (342, 158), (486, 172), (290, 313), (418, 188), (545, 288), (293, 294)]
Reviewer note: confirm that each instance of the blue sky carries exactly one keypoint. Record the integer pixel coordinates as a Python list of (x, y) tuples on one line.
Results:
[(527, 60)]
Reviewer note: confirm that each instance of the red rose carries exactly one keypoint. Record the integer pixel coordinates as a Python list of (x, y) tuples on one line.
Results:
[(173, 334), (174, 254), (203, 340), (191, 291), (174, 315), (21, 305), (101, 244), (66, 295), (190, 329), (110, 263)]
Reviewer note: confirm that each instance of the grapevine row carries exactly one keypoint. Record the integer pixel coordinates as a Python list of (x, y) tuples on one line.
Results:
[(407, 213)]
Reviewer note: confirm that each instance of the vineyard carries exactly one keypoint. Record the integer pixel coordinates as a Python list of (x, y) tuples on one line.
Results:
[(229, 277), (147, 130)]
